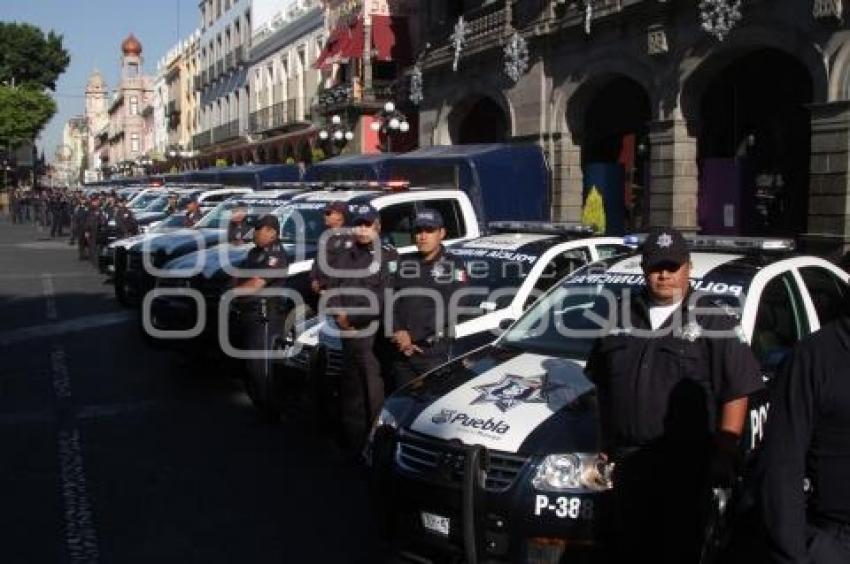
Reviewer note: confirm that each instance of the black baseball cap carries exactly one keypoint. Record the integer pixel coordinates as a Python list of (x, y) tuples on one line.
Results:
[(664, 246), (428, 218), (268, 220), (363, 213)]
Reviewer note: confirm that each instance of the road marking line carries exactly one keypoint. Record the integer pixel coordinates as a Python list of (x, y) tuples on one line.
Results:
[(80, 534), (58, 329), (50, 297), (25, 276)]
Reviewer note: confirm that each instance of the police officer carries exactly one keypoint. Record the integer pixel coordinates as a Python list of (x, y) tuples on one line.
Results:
[(96, 220), (237, 227), (260, 316), (125, 220), (331, 245), (672, 391), (807, 438), (366, 270), (422, 321), (193, 212)]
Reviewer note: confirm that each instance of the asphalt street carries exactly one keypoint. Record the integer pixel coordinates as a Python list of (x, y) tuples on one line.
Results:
[(116, 452)]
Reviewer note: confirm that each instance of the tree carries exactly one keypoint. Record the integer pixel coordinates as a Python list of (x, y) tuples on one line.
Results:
[(30, 59), (593, 213), (23, 113)]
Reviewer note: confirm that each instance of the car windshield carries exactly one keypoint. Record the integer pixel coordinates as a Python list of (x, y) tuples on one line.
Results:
[(171, 222), (219, 217), (143, 201), (566, 321), (302, 222), (158, 205)]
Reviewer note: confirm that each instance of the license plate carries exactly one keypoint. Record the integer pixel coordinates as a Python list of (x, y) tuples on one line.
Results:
[(435, 523)]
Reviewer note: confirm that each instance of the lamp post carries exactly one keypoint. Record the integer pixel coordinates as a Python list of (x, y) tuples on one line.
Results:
[(389, 122), (338, 132)]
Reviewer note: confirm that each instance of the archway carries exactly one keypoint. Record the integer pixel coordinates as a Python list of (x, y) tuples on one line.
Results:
[(754, 145), (609, 117), (479, 120)]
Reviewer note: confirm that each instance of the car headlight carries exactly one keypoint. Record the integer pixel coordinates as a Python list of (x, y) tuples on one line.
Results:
[(574, 472)]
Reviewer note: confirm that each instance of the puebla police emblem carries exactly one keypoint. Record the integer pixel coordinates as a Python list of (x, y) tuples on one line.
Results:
[(664, 240), (510, 391)]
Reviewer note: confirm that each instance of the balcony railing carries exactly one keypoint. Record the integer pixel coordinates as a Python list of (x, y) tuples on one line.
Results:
[(484, 28), (229, 61), (211, 73), (202, 139), (226, 132), (279, 115), (239, 54), (277, 93), (219, 68)]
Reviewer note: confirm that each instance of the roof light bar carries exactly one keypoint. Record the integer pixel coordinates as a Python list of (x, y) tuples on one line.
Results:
[(541, 227), (722, 242)]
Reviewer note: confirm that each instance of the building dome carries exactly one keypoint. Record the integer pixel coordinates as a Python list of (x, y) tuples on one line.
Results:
[(131, 46), (96, 81)]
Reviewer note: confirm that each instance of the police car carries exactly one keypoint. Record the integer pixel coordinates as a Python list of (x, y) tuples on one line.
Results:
[(160, 246), (302, 223), (495, 454), (508, 270)]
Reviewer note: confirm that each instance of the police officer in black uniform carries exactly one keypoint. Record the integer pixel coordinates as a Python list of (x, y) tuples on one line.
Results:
[(366, 270), (260, 316), (125, 221), (333, 242), (807, 438), (672, 391), (422, 322), (193, 212)]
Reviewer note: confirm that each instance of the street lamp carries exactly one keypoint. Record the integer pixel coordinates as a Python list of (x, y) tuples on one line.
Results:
[(338, 132), (389, 122)]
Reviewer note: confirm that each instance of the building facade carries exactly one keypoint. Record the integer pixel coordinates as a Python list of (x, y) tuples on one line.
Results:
[(70, 161), (96, 120), (126, 138), (740, 129)]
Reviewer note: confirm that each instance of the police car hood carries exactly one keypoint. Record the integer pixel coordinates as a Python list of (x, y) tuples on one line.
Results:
[(136, 240), (216, 261), (144, 218), (503, 399), (185, 240)]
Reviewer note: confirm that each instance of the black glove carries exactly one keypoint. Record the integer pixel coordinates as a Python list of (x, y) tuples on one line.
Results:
[(726, 460)]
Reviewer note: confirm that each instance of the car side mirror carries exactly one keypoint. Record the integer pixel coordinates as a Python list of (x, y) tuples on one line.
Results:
[(487, 307)]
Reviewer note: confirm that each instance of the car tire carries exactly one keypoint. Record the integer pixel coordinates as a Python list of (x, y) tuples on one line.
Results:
[(263, 380)]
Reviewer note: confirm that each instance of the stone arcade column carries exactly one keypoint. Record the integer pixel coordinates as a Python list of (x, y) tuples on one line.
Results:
[(567, 180), (673, 181), (829, 180)]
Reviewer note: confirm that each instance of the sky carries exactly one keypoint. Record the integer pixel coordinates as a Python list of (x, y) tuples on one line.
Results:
[(93, 31)]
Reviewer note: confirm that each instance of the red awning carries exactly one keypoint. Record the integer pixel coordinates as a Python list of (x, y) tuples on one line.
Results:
[(390, 39), (345, 42)]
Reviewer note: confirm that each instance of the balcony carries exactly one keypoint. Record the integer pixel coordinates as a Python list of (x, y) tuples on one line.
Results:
[(211, 73), (229, 61), (203, 139), (485, 29), (279, 115), (226, 132), (219, 68), (277, 93), (239, 54), (259, 120)]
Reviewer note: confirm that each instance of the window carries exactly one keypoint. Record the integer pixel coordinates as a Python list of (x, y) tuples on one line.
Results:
[(132, 70), (397, 224), (134, 105), (829, 293), (134, 143), (561, 265), (608, 251), (780, 321), (452, 216)]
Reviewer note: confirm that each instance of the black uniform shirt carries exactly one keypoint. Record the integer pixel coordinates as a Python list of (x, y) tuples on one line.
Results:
[(416, 313), (333, 247), (668, 387), (808, 435), (271, 258), (379, 277), (126, 222)]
